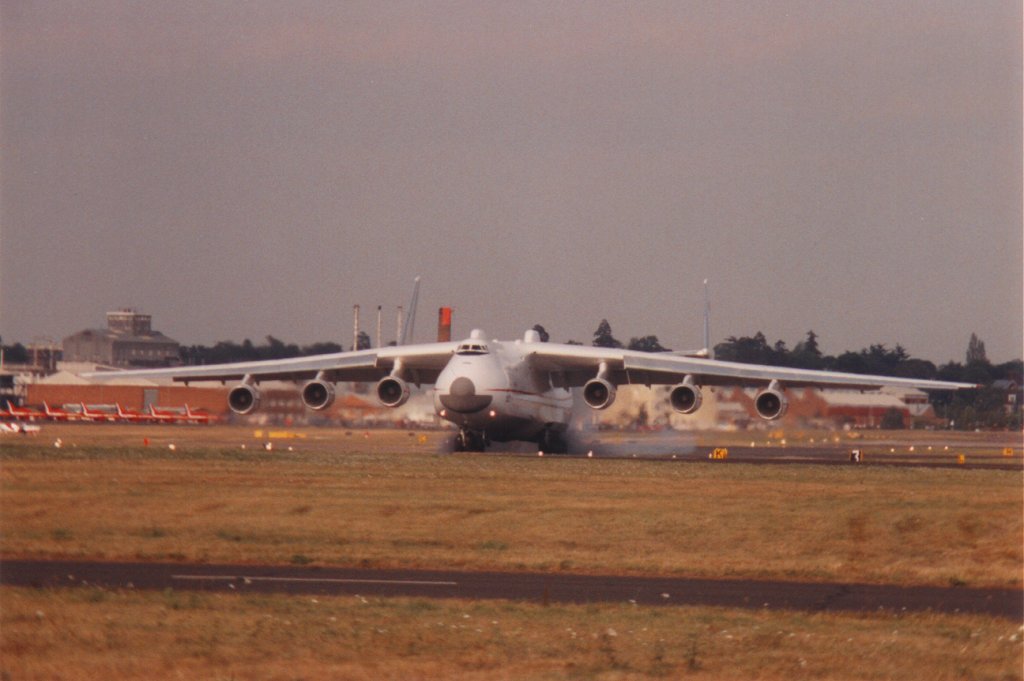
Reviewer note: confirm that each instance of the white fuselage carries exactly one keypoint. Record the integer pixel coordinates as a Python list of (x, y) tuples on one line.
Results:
[(490, 387)]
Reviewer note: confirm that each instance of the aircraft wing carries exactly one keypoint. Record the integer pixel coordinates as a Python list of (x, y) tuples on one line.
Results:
[(423, 362), (574, 365)]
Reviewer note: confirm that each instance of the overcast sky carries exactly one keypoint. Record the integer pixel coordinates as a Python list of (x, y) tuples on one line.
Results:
[(238, 169)]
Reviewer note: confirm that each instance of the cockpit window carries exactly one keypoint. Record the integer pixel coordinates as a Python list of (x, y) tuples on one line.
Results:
[(471, 349)]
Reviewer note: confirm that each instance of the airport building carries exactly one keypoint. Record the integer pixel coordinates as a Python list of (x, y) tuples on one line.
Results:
[(128, 341)]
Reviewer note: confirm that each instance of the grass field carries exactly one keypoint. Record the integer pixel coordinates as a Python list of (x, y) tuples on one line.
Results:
[(390, 499), (90, 634)]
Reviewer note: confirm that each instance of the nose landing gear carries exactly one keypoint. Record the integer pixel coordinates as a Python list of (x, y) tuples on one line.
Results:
[(470, 441)]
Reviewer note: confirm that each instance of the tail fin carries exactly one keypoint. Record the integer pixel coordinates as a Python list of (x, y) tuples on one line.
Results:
[(706, 352), (410, 317)]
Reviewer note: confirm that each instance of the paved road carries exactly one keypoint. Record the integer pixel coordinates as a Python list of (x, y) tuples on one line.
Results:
[(543, 588)]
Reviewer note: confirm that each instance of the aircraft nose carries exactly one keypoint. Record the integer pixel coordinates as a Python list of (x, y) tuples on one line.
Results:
[(462, 397)]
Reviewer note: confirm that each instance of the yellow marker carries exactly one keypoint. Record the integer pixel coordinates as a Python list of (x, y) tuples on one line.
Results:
[(961, 459), (719, 453), (284, 435), (257, 433), (1008, 451)]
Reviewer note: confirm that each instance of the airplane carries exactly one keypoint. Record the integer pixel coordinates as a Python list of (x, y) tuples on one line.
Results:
[(165, 416), (499, 391), (132, 416), (187, 416), (24, 413), (62, 415), (198, 417), (20, 428), (97, 415)]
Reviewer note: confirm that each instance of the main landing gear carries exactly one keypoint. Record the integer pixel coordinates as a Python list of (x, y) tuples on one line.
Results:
[(470, 441), (552, 442)]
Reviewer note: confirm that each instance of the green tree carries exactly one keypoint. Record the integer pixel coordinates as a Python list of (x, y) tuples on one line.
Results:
[(810, 344), (16, 354), (976, 350), (646, 344), (603, 337), (320, 349), (807, 354), (277, 349), (542, 332), (748, 349)]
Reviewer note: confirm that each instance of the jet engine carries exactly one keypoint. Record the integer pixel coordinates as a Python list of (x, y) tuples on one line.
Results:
[(686, 398), (392, 391), (771, 404), (318, 394), (244, 398), (598, 393)]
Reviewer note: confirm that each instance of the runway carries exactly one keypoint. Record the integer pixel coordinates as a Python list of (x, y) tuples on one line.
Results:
[(536, 587), (793, 455)]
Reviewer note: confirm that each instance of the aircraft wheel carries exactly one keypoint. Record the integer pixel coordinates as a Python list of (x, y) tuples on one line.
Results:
[(553, 442), (477, 442), (470, 441)]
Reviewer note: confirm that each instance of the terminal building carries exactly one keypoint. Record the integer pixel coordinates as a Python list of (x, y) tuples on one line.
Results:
[(128, 341)]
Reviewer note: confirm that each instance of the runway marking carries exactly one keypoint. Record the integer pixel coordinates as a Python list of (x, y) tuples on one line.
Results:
[(308, 580)]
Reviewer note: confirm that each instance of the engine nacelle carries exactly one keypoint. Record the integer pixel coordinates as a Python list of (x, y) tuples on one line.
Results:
[(392, 391), (686, 398), (244, 398), (598, 393), (771, 404), (318, 394)]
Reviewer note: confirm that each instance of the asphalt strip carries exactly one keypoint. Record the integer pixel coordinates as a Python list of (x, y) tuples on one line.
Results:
[(522, 586)]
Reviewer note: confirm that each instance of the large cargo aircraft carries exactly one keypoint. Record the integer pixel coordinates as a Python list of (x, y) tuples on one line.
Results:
[(516, 390)]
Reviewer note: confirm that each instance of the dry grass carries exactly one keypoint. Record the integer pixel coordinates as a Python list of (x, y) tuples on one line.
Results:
[(93, 634), (387, 501)]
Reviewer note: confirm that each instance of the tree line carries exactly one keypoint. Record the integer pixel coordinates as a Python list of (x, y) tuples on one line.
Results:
[(966, 409), (985, 407)]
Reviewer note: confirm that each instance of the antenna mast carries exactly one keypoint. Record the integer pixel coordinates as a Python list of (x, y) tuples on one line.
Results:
[(707, 322)]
